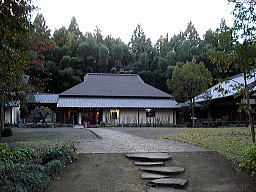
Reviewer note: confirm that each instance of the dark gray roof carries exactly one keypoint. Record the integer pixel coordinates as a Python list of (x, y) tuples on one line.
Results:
[(43, 98), (12, 104), (104, 102), (230, 86), (114, 85)]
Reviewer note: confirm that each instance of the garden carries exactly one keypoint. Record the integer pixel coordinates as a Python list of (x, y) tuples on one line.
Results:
[(29, 166), (233, 143)]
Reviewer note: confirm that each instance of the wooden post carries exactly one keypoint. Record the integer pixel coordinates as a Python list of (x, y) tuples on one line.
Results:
[(138, 116)]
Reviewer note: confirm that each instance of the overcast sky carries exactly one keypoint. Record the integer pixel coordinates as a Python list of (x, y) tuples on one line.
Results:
[(120, 17)]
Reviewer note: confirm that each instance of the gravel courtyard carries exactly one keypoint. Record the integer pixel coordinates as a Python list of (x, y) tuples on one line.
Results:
[(148, 132), (24, 134), (102, 166)]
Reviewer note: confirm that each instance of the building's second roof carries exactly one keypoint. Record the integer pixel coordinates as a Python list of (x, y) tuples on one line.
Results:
[(43, 98), (114, 85), (230, 86)]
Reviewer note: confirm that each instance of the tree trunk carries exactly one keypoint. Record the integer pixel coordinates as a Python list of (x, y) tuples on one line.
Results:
[(193, 112), (247, 96), (1, 116)]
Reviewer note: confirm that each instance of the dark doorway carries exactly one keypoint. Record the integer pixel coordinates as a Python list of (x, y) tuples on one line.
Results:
[(92, 116)]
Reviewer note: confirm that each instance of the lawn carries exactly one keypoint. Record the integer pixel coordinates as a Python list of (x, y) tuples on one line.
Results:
[(229, 142)]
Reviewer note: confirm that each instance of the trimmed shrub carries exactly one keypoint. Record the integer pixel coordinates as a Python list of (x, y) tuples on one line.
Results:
[(54, 167), (6, 132), (10, 154), (65, 152), (23, 177), (19, 174), (249, 163)]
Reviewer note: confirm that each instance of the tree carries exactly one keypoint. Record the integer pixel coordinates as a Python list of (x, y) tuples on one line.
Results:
[(188, 81), (14, 51), (237, 49), (39, 43)]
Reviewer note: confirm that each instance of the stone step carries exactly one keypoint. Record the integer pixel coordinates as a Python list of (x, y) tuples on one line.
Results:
[(139, 163), (164, 189), (149, 156), (163, 170), (78, 126), (171, 182), (152, 176)]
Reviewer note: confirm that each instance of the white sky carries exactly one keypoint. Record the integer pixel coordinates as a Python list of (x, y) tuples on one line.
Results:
[(120, 17)]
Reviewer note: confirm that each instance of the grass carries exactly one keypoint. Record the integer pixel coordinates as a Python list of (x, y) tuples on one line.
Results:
[(37, 144), (229, 142)]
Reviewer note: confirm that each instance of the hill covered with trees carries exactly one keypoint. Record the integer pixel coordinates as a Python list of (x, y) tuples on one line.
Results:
[(70, 54)]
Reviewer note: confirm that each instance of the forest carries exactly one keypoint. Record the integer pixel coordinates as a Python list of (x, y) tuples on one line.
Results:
[(65, 55)]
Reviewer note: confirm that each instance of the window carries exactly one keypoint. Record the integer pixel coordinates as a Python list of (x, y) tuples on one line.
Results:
[(150, 113), (114, 113)]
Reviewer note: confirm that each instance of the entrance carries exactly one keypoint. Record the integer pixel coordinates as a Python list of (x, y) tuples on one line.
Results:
[(91, 116)]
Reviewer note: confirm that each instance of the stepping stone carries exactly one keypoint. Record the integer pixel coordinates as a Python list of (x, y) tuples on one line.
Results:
[(171, 182), (164, 189), (163, 170), (152, 176), (149, 156), (138, 163)]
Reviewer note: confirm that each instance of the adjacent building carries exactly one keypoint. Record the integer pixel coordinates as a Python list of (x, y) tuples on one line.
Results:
[(220, 103)]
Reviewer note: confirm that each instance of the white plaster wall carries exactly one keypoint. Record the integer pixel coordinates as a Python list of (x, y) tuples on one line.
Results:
[(130, 116), (7, 115), (12, 115)]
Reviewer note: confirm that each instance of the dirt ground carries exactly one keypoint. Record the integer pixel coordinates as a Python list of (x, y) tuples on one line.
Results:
[(206, 171)]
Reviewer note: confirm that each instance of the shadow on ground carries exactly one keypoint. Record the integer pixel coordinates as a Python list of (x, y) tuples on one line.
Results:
[(207, 172)]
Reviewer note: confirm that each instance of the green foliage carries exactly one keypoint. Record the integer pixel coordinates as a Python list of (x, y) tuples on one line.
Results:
[(189, 80), (53, 167), (249, 160), (22, 177), (64, 152), (10, 154), (18, 173), (6, 132)]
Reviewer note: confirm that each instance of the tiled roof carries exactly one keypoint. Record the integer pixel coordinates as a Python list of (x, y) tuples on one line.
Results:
[(228, 85), (103, 102), (43, 98), (12, 104), (114, 85)]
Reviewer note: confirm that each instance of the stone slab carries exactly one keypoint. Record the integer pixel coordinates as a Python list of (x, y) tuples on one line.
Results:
[(164, 189), (145, 175), (163, 170), (171, 182), (149, 156), (139, 163)]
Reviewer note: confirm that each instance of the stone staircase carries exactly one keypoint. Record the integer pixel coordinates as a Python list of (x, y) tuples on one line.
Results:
[(159, 177)]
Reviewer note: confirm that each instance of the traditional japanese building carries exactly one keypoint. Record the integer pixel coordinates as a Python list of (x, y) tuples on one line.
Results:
[(221, 102), (111, 99)]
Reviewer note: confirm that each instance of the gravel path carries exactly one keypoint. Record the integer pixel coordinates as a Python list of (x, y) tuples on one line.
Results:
[(113, 141), (148, 133)]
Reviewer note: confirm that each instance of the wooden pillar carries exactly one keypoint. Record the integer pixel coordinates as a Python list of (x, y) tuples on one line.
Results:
[(138, 116)]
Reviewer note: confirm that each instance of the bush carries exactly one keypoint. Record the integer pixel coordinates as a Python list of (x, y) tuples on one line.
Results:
[(65, 152), (6, 132), (23, 177), (54, 167), (18, 174), (249, 163), (10, 154)]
